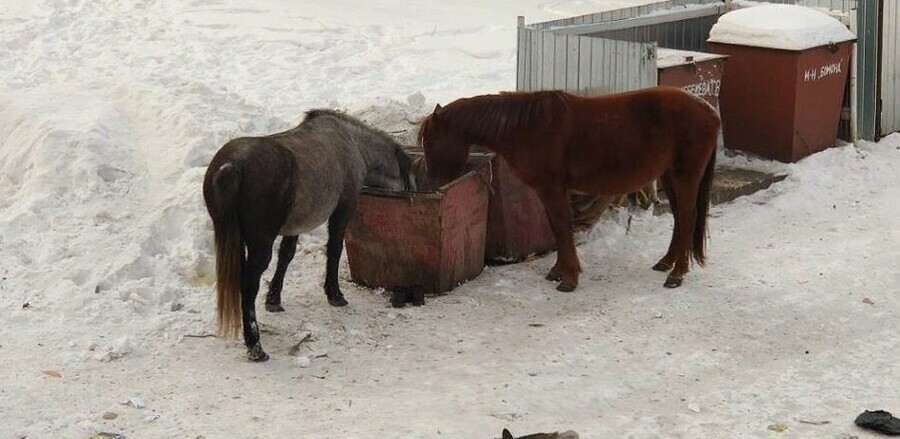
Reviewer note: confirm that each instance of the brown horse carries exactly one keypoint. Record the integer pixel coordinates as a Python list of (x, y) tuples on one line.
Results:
[(610, 145)]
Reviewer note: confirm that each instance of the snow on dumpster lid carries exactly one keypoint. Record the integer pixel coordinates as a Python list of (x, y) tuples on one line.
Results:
[(666, 57), (787, 27)]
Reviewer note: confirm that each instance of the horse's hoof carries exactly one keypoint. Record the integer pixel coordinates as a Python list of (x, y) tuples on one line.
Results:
[(274, 307), (672, 282), (337, 301), (257, 355), (565, 287), (553, 276), (662, 266), (418, 298)]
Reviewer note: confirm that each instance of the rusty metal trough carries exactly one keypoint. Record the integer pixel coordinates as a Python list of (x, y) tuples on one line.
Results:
[(433, 240), (517, 223)]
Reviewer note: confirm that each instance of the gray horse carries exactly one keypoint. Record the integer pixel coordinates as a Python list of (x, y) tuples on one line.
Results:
[(257, 188)]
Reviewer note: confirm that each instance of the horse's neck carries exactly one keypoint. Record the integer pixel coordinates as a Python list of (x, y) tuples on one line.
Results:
[(371, 147), (479, 143), (383, 167), (372, 154), (505, 126)]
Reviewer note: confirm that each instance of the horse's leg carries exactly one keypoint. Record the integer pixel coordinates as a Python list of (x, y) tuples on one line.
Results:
[(337, 225), (668, 261), (686, 193), (258, 257), (285, 255), (559, 213)]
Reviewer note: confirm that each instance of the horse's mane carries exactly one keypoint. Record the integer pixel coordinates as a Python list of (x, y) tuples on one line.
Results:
[(497, 117), (323, 112), (320, 113)]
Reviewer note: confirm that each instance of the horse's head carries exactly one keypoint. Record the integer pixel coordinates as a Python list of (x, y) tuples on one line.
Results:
[(446, 151)]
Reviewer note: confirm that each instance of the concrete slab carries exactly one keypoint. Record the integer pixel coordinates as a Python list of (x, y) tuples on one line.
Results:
[(729, 184)]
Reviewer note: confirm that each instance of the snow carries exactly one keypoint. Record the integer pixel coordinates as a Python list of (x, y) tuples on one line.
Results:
[(777, 26), (666, 58), (110, 111), (668, 9)]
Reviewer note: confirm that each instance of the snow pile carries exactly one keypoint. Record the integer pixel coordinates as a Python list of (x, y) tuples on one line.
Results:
[(776, 26)]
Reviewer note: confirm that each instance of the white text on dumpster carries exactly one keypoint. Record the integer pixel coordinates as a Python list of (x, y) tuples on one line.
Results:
[(704, 89), (814, 74)]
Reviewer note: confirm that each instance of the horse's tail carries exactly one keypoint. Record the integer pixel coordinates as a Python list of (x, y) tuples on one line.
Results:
[(699, 251), (229, 248)]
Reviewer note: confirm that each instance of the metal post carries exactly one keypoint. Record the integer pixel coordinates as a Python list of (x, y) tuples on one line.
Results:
[(868, 35)]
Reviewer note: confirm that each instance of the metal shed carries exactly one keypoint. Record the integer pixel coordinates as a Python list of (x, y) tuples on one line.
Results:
[(889, 62), (616, 51)]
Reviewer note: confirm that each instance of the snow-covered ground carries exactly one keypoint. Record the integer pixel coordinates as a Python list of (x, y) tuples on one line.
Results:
[(110, 110)]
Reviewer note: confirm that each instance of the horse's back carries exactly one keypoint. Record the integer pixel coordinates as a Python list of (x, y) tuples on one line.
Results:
[(322, 143), (654, 105), (620, 142), (633, 122), (683, 105)]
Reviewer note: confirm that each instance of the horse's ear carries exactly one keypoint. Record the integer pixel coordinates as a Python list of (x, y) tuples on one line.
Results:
[(437, 108), (507, 434)]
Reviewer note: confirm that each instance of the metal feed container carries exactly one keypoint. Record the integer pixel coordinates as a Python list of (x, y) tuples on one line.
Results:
[(517, 222), (698, 73), (782, 91), (434, 240)]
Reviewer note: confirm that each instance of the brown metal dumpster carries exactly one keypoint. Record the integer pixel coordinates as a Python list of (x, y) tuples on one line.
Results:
[(517, 225), (781, 99), (697, 73), (517, 222), (433, 240)]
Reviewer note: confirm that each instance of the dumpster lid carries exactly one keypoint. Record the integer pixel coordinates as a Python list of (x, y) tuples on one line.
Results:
[(776, 26), (666, 58)]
